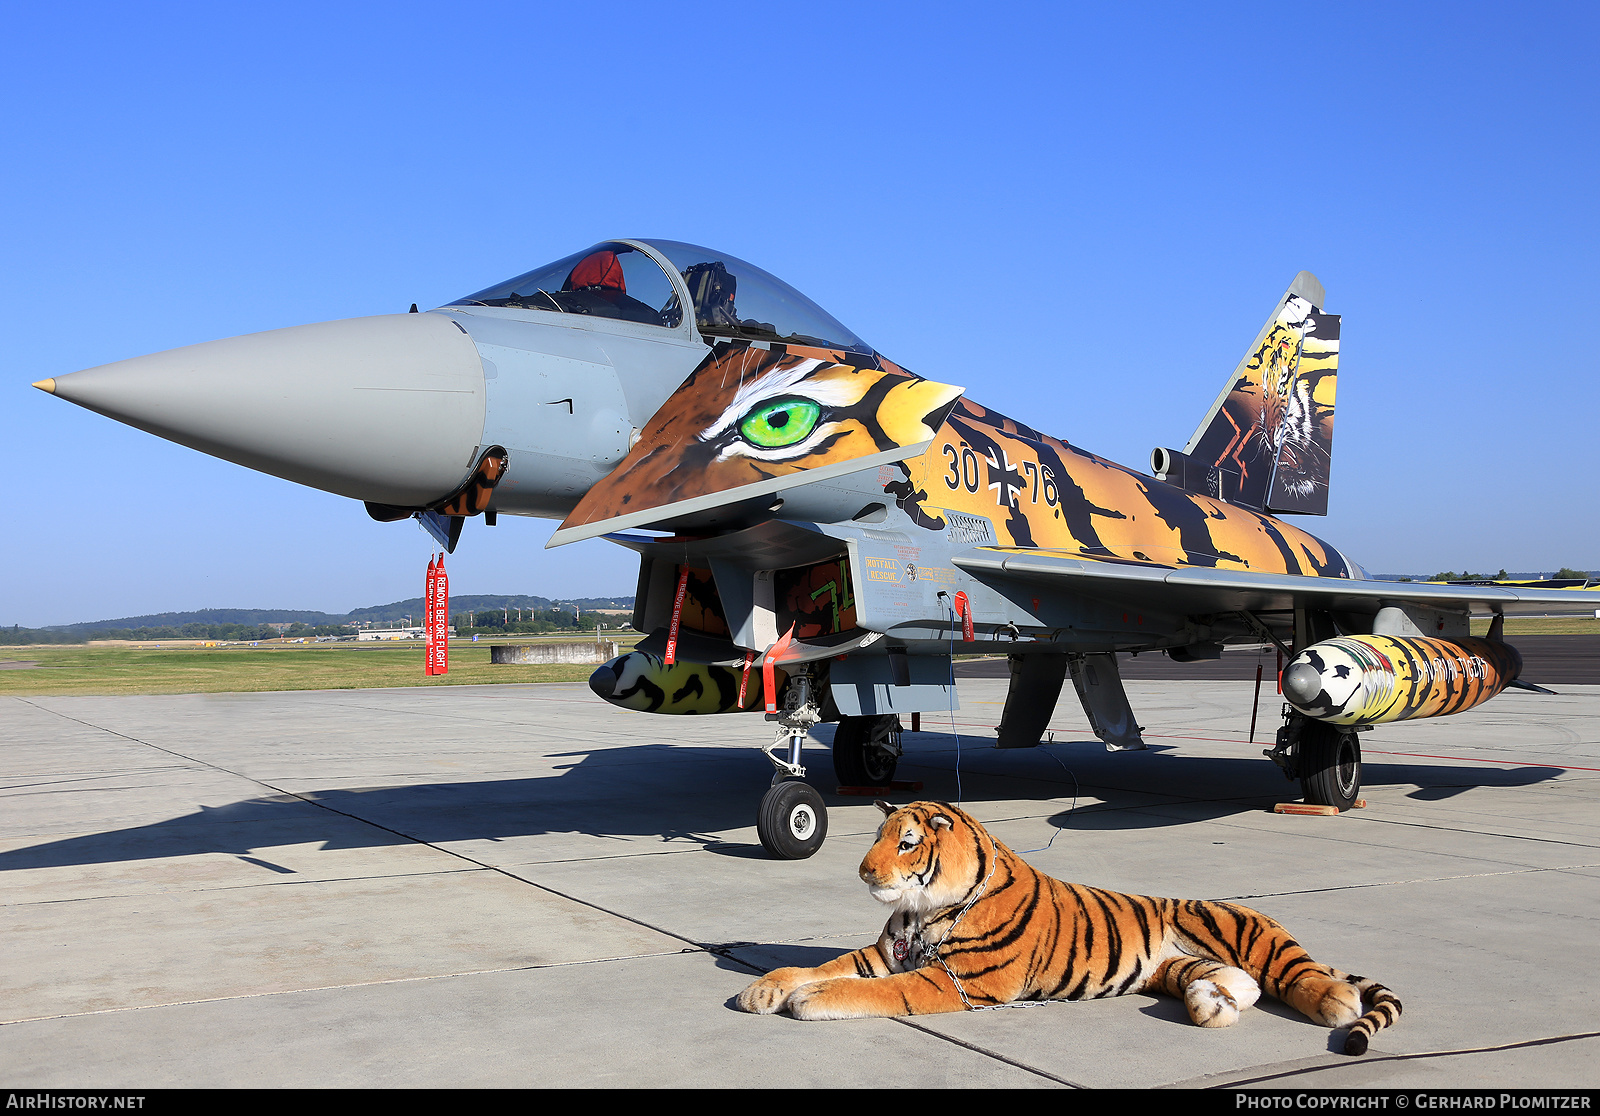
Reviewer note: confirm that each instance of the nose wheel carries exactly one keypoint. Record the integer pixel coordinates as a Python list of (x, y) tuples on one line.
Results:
[(792, 821)]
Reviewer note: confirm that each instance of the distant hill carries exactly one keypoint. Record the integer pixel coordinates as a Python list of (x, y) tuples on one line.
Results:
[(375, 614), (205, 616), (476, 602)]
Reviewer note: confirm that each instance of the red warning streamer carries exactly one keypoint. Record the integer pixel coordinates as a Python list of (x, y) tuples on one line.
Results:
[(744, 682), (677, 616), (427, 618), (441, 619)]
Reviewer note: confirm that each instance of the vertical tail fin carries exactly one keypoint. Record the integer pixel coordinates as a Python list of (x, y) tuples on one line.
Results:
[(1267, 442)]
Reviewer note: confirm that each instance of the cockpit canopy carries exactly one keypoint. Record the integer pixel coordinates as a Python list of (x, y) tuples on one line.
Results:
[(731, 298)]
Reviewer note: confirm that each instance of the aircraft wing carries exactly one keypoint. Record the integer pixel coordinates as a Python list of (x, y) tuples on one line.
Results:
[(1192, 590)]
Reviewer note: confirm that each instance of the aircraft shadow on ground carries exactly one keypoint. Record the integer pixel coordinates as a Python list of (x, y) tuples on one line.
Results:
[(691, 794), (1163, 785)]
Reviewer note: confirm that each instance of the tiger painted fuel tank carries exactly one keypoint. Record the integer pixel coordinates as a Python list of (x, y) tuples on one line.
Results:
[(1373, 679), (642, 681)]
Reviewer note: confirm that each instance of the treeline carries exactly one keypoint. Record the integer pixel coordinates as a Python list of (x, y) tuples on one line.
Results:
[(1564, 574), (232, 633)]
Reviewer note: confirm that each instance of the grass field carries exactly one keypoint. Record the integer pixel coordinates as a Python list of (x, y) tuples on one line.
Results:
[(312, 666), (69, 669)]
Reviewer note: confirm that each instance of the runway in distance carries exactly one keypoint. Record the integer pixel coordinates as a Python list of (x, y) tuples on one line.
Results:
[(819, 529)]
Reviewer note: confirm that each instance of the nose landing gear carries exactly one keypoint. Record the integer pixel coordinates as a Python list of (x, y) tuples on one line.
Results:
[(792, 820)]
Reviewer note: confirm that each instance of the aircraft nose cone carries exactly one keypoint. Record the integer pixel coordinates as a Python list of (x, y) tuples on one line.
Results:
[(1302, 682), (388, 409)]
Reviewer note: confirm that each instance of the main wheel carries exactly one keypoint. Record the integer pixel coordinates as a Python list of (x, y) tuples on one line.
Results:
[(792, 821), (1330, 765), (860, 758)]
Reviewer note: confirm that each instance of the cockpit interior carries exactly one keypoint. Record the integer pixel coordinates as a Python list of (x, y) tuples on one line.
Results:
[(650, 281)]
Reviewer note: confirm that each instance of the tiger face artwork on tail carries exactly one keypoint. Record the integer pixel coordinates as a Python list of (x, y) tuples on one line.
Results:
[(1271, 430), (975, 926)]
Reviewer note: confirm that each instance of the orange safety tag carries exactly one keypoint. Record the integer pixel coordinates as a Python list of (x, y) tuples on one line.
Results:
[(768, 675)]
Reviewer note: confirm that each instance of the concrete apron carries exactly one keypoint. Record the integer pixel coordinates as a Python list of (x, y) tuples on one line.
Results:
[(524, 886)]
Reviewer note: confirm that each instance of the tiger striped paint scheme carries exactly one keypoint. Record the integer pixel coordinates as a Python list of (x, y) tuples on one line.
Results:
[(974, 925), (642, 681), (1373, 679), (748, 418), (1272, 429), (1044, 493)]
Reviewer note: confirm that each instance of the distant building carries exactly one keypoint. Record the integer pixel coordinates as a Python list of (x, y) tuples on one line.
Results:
[(396, 633)]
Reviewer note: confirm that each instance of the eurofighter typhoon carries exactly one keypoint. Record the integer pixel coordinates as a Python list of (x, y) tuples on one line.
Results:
[(819, 528)]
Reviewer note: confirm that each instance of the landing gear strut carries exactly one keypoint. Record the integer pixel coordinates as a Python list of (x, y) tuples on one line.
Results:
[(792, 820), (1325, 758), (866, 750)]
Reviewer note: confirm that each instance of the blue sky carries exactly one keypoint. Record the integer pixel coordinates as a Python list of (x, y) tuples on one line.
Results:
[(1080, 213)]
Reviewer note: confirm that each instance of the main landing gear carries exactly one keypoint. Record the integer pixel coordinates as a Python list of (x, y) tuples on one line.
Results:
[(1325, 758), (866, 750)]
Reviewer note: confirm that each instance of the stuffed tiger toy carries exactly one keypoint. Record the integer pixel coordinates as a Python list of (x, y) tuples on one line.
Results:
[(974, 925)]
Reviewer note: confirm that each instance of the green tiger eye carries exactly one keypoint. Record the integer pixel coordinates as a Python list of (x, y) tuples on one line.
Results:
[(780, 423)]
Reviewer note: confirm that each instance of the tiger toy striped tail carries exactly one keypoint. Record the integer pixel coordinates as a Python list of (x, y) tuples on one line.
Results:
[(975, 926)]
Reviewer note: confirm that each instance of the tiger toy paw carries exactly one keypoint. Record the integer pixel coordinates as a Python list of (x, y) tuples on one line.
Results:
[(769, 994)]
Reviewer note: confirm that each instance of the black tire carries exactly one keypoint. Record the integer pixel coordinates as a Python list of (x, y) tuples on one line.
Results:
[(856, 763), (1330, 765), (792, 821)]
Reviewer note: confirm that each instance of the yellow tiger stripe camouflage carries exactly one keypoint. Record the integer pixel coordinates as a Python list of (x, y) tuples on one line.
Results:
[(639, 680), (1373, 679), (749, 419), (975, 926), (1044, 493)]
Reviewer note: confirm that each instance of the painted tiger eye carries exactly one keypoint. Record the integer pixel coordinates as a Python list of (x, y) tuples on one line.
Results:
[(780, 423)]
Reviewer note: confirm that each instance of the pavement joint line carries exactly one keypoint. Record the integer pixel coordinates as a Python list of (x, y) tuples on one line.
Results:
[(386, 829), (1368, 1060), (987, 1053), (1409, 883), (168, 891), (347, 985), (1477, 833), (1103, 807)]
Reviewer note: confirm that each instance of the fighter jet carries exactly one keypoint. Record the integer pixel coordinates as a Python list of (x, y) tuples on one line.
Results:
[(820, 530)]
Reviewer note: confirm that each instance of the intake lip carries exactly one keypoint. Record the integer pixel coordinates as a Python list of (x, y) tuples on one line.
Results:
[(387, 409)]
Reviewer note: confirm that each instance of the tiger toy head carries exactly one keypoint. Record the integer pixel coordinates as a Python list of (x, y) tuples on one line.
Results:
[(975, 926), (926, 857)]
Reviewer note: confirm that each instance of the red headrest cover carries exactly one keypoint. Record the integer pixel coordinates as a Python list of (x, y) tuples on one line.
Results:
[(598, 269)]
